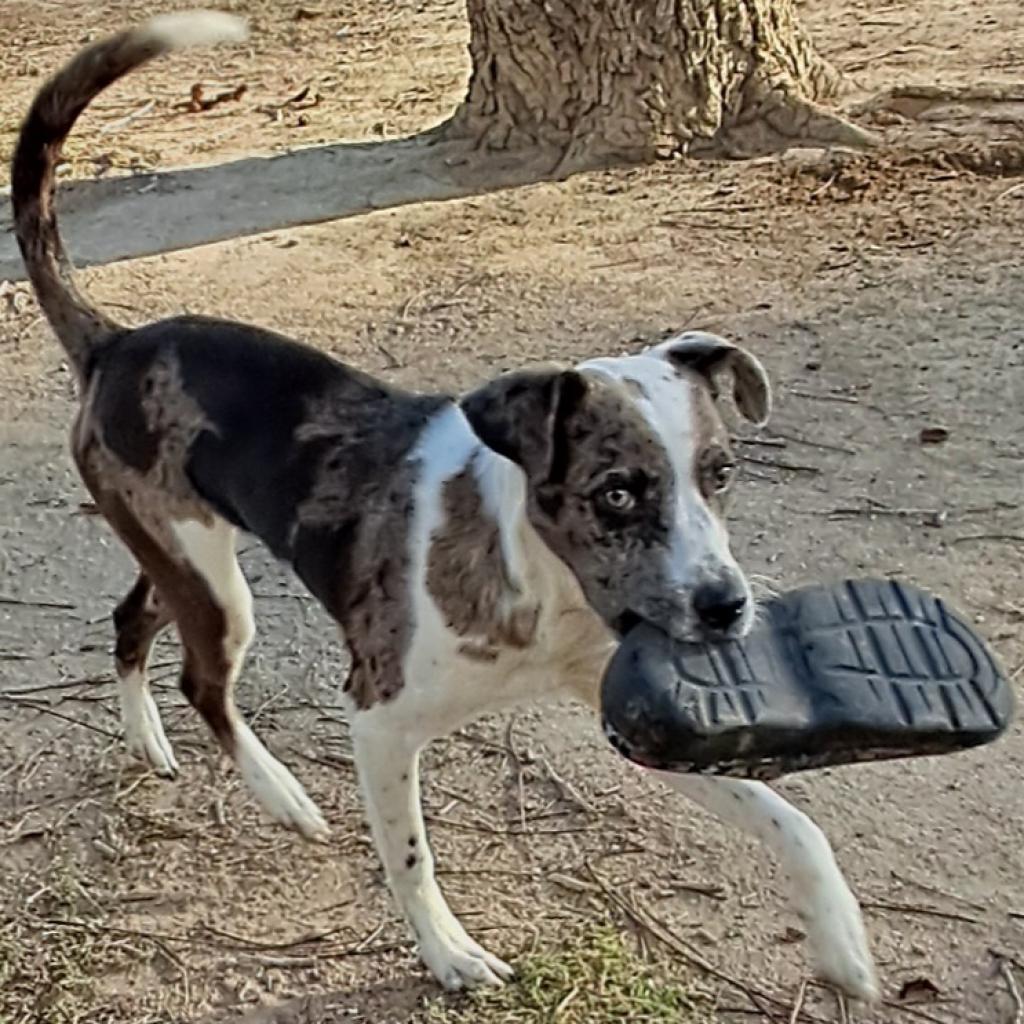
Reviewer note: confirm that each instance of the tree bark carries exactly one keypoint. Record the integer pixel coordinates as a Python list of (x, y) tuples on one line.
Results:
[(599, 82)]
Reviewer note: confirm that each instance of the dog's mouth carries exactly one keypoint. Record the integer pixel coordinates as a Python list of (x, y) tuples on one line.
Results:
[(637, 756), (627, 621)]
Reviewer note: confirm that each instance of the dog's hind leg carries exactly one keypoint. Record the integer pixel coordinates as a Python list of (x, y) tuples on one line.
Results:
[(216, 632), (137, 620), (387, 760), (192, 565)]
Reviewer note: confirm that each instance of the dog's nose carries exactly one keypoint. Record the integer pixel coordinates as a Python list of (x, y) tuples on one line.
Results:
[(718, 605)]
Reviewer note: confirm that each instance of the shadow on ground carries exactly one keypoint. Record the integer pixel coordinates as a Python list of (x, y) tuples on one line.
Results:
[(144, 214)]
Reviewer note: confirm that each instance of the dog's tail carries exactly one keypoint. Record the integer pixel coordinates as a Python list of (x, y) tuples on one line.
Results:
[(78, 324)]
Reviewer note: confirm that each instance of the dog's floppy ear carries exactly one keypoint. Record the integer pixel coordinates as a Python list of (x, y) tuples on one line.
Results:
[(521, 415), (710, 355)]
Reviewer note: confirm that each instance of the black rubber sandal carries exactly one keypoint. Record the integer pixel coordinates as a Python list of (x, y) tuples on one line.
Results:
[(866, 670)]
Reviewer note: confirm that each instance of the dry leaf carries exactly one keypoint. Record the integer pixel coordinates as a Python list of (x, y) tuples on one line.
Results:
[(933, 435), (197, 102)]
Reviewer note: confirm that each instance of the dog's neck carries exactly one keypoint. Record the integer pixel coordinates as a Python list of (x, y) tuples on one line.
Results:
[(537, 577)]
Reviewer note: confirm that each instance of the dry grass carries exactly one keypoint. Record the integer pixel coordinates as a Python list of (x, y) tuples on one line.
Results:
[(56, 951)]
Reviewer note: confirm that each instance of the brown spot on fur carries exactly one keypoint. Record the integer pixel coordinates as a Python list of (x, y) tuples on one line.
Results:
[(348, 539), (174, 419), (156, 486), (370, 593), (468, 577)]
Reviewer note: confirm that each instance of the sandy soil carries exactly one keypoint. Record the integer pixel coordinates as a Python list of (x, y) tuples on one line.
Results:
[(885, 298)]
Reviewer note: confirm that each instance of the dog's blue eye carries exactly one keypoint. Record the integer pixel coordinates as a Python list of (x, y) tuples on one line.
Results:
[(724, 473), (618, 499)]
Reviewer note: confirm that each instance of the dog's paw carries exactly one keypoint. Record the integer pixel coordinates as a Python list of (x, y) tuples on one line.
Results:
[(144, 733), (838, 946), (458, 962), (278, 792)]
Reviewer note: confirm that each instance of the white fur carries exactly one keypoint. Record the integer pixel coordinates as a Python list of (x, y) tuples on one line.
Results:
[(185, 29), (210, 550), (143, 731), (389, 776), (278, 792)]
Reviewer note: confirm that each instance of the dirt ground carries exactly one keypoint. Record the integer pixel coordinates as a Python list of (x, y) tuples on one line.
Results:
[(885, 298)]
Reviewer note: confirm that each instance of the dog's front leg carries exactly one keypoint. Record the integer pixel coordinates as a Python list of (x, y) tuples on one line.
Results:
[(822, 899), (388, 765)]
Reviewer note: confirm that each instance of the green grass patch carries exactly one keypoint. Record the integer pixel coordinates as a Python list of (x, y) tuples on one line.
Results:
[(594, 977)]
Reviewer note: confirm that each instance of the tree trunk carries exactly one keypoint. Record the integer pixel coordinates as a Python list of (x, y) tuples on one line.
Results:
[(598, 82)]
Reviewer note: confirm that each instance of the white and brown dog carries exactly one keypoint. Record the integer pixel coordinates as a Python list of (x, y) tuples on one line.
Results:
[(476, 551)]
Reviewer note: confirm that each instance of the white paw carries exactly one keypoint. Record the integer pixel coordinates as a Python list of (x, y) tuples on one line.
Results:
[(279, 793), (839, 948), (144, 732), (457, 961)]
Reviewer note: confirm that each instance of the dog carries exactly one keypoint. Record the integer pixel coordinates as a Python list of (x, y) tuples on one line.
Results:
[(476, 551)]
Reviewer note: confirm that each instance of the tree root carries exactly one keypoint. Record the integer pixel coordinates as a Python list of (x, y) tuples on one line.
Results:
[(913, 100), (778, 120)]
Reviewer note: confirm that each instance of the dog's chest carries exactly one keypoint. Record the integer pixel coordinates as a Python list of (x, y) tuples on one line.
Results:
[(505, 640)]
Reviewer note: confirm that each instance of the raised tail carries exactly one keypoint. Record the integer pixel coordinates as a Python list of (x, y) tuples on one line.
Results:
[(78, 324)]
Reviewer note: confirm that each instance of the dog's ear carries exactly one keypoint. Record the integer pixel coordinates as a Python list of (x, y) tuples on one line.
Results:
[(710, 355), (522, 415)]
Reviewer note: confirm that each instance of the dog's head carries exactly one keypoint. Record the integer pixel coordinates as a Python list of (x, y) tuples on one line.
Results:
[(628, 465)]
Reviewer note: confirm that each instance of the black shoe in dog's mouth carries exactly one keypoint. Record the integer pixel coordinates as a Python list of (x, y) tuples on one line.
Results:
[(865, 670)]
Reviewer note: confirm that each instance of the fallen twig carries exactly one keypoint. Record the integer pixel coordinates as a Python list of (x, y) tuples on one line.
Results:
[(712, 892), (935, 891), (28, 603), (1012, 190), (497, 830), (113, 126), (71, 684), (910, 908), (762, 442), (566, 789), (792, 467), (302, 940), (45, 709), (1003, 538), (798, 1003), (929, 514), (1006, 966), (517, 761), (844, 399), (823, 445)]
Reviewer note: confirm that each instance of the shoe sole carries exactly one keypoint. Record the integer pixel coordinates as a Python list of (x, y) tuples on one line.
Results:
[(865, 670)]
